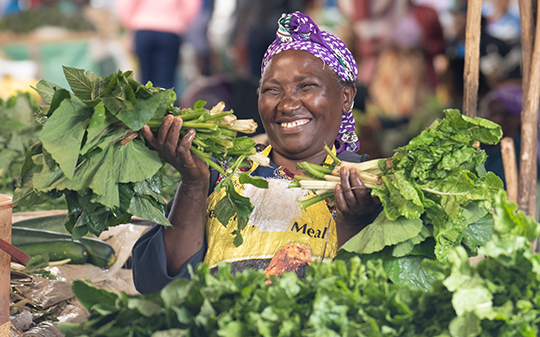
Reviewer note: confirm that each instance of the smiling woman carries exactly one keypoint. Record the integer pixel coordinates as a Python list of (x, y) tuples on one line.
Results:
[(301, 104), (305, 100)]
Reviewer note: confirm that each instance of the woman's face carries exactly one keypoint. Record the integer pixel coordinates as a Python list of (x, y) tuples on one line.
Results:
[(301, 103)]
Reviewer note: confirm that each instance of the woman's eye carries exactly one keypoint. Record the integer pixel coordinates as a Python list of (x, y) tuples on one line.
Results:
[(270, 90), (307, 86)]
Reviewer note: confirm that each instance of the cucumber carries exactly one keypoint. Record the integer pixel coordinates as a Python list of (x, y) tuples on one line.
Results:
[(53, 223), (100, 253), (58, 249)]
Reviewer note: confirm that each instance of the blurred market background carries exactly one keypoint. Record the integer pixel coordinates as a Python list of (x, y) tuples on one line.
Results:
[(410, 55)]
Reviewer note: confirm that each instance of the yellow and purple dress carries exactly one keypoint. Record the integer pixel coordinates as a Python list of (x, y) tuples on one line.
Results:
[(279, 236)]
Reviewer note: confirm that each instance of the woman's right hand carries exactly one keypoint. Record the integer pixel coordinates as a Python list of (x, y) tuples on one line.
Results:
[(193, 170)]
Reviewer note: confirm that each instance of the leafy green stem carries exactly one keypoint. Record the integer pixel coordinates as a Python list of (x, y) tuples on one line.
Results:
[(311, 201), (207, 160), (442, 193)]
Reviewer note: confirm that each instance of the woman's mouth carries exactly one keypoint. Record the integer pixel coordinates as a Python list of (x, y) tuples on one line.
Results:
[(289, 125)]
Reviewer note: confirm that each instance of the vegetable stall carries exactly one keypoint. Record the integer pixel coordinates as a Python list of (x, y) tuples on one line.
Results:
[(407, 274)]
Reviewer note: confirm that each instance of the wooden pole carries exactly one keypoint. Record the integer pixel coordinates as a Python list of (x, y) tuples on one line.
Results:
[(526, 17), (508, 152), (529, 134), (471, 72), (5, 258)]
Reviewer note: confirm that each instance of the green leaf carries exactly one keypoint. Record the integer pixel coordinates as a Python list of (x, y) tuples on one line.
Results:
[(241, 204), (46, 90), (175, 292), (63, 133), (38, 261), (245, 178), (146, 307), (137, 162), (478, 233), (104, 182), (406, 247), (407, 271), (199, 105), (224, 210), (85, 84), (58, 97), (509, 220), (465, 326), (98, 128), (145, 209), (383, 232), (90, 295), (238, 240), (399, 197), (135, 117)]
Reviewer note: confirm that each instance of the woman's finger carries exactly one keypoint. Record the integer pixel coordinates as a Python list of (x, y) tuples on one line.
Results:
[(164, 128), (149, 135), (339, 200), (346, 187), (357, 186), (183, 148)]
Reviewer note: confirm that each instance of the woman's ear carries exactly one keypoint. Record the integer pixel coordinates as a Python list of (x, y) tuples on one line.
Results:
[(348, 93)]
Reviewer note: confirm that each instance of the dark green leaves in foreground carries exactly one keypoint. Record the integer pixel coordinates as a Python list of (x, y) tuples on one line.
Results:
[(436, 195), (345, 297)]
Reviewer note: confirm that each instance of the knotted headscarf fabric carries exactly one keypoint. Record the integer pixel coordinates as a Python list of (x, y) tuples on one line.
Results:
[(297, 31)]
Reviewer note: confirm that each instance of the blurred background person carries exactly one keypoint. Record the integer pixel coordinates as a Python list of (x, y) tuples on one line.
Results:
[(157, 26), (503, 106), (396, 43), (197, 37), (500, 60), (256, 26)]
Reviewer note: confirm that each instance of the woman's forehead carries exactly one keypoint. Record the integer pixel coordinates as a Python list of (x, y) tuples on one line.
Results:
[(297, 62)]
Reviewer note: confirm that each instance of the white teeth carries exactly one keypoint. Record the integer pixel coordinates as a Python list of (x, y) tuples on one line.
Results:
[(293, 124)]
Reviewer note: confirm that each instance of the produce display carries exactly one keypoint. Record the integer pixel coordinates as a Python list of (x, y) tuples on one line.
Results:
[(435, 192), (344, 297), (25, 22), (406, 274), (90, 152), (18, 131)]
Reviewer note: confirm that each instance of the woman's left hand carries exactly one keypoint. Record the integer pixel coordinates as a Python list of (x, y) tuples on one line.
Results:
[(354, 201)]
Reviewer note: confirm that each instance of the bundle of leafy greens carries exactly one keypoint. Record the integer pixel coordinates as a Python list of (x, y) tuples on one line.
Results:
[(89, 149), (435, 192), (497, 297)]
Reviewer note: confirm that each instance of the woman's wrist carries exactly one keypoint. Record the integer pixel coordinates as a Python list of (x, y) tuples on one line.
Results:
[(193, 189)]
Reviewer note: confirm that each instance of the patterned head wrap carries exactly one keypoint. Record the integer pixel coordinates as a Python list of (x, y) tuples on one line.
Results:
[(297, 31)]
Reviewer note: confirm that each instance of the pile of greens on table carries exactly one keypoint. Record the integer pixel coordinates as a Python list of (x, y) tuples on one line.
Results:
[(18, 131), (346, 297)]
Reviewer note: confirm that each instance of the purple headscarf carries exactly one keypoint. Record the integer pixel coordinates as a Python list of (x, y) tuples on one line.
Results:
[(297, 31)]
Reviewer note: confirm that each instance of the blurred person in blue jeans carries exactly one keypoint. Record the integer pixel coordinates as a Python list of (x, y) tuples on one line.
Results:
[(157, 26)]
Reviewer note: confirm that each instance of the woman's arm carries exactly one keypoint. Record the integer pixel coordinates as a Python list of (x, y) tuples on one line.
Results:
[(187, 215)]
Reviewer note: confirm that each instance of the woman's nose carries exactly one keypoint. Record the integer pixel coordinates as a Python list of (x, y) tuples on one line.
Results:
[(289, 103)]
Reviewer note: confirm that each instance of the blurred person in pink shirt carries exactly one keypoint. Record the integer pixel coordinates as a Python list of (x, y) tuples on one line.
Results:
[(157, 26)]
